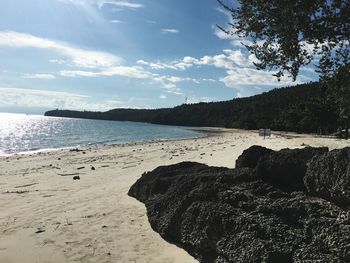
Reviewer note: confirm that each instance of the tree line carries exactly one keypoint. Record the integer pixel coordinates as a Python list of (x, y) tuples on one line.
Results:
[(305, 108)]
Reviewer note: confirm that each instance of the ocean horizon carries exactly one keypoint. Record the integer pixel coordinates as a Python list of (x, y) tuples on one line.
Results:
[(23, 133)]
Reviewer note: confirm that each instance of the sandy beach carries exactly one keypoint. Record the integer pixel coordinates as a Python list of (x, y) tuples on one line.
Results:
[(46, 216)]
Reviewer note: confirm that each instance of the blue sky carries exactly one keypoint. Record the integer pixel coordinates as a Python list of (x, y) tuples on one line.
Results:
[(104, 54)]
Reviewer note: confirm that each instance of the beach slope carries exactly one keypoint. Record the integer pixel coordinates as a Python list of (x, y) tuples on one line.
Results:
[(46, 216)]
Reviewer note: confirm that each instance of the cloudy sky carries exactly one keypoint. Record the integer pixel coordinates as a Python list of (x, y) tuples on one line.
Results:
[(104, 54)]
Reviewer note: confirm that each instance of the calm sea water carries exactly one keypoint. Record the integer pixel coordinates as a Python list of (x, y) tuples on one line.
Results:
[(22, 133)]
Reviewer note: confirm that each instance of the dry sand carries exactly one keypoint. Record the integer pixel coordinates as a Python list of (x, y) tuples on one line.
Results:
[(47, 217)]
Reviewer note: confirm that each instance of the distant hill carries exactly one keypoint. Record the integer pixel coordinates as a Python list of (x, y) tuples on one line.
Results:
[(302, 108)]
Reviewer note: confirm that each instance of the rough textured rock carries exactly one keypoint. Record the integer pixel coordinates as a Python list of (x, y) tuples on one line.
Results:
[(232, 215), (287, 168), (328, 176), (250, 157)]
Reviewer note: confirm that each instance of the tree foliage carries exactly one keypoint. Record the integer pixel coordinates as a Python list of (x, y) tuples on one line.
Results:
[(302, 108), (285, 35)]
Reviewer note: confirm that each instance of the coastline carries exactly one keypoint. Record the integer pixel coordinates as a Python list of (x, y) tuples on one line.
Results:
[(97, 132), (206, 132), (46, 216)]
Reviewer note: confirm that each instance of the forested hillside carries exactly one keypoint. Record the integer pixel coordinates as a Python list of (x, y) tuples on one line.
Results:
[(302, 108)]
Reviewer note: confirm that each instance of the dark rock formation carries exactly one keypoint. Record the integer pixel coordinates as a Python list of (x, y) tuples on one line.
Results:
[(286, 168), (250, 157), (233, 215), (328, 176)]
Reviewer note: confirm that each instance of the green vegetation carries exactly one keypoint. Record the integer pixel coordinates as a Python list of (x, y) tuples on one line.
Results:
[(302, 108), (286, 35)]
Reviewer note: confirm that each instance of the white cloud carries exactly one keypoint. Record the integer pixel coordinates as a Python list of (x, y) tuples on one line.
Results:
[(163, 97), (170, 86), (74, 2), (174, 79), (135, 72), (116, 21), (251, 76), (34, 98), (240, 73), (228, 60), (130, 72), (120, 4), (175, 65), (53, 99), (182, 65), (58, 61), (156, 65), (58, 94), (161, 66), (39, 76), (239, 69), (142, 62), (209, 80), (176, 92), (237, 57), (223, 35), (80, 57), (194, 80), (237, 65), (100, 3), (194, 100), (170, 31), (190, 60)]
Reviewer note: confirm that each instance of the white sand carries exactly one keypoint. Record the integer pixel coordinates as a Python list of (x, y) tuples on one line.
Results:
[(93, 220)]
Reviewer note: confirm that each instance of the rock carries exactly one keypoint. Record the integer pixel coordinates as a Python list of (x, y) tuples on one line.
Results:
[(159, 181), (232, 215), (75, 150), (286, 168), (328, 176), (39, 231), (250, 157), (77, 177), (93, 168)]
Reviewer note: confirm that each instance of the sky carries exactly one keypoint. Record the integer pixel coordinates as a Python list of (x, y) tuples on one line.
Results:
[(104, 54)]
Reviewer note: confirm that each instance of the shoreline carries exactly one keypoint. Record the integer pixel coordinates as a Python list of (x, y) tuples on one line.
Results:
[(205, 131), (48, 216)]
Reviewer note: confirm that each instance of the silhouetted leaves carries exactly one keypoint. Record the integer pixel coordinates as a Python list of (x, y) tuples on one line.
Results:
[(285, 35)]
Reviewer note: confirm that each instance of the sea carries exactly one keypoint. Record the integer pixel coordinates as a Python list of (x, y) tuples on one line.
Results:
[(20, 133)]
